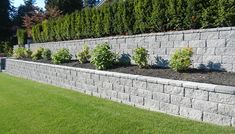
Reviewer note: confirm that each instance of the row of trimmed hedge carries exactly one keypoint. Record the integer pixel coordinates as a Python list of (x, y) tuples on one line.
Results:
[(137, 16)]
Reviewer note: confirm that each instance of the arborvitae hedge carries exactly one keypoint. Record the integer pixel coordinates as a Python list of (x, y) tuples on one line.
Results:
[(137, 16)]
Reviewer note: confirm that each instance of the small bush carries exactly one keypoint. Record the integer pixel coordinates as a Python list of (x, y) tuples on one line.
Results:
[(37, 54), (84, 55), (27, 53), (61, 56), (102, 57), (46, 54), (21, 36), (180, 60), (140, 57), (6, 48), (19, 53)]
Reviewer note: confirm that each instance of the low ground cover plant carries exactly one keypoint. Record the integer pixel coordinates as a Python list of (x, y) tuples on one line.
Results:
[(37, 54), (102, 57), (46, 54), (84, 55), (21, 52), (27, 53), (61, 56), (181, 59), (141, 57)]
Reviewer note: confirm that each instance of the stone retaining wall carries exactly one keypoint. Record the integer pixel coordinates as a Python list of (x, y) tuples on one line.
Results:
[(213, 48), (197, 101)]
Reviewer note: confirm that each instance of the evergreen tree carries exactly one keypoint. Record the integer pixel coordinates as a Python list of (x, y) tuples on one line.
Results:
[(66, 6), (4, 19)]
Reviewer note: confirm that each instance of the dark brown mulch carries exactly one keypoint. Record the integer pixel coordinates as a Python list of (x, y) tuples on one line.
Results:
[(195, 75)]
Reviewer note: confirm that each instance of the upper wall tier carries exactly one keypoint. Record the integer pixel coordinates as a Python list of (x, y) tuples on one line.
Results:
[(213, 48)]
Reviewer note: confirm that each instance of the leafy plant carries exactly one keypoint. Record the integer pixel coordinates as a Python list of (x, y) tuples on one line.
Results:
[(181, 59), (102, 57), (27, 53), (37, 54), (19, 53), (46, 54), (84, 55), (21, 36), (61, 56), (140, 57)]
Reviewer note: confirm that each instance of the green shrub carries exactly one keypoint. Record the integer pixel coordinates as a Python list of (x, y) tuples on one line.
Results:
[(6, 48), (21, 36), (181, 59), (37, 54), (102, 57), (137, 16), (19, 53), (84, 55), (140, 57), (61, 56), (27, 53), (46, 54)]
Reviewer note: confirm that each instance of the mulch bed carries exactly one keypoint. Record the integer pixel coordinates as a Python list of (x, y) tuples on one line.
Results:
[(195, 75)]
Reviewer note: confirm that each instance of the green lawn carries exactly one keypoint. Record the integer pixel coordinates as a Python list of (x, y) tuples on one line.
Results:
[(28, 107)]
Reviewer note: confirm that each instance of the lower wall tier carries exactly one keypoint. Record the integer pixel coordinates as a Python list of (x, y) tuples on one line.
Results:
[(197, 101)]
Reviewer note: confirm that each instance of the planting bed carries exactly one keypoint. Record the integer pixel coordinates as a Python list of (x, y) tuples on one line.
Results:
[(195, 75)]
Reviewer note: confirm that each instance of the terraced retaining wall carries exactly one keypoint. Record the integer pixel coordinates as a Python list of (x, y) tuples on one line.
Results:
[(213, 48), (197, 101)]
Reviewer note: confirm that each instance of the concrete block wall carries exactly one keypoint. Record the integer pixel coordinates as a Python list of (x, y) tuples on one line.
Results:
[(197, 101), (213, 48)]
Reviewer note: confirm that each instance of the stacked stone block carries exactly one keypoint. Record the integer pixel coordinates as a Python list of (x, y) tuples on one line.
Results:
[(197, 101), (213, 48)]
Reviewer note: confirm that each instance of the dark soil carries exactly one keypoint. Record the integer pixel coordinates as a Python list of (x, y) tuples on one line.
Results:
[(195, 75)]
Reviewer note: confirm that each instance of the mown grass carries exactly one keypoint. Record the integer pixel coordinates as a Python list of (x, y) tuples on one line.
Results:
[(27, 107)]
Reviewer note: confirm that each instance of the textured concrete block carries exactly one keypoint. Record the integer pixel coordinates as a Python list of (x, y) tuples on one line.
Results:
[(222, 98), (119, 88), (124, 97), (196, 94), (197, 43), (225, 89), (137, 100), (155, 45), (216, 43), (209, 35), (217, 119), (213, 59), (161, 97), (169, 108), (162, 37), (226, 110), (206, 51), (159, 51), (174, 90), (230, 42), (192, 36), (131, 90), (181, 101), (155, 87), (108, 86), (191, 113), (175, 37), (167, 44), (152, 104), (181, 44), (139, 84), (145, 93), (126, 82), (206, 106), (227, 59)]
